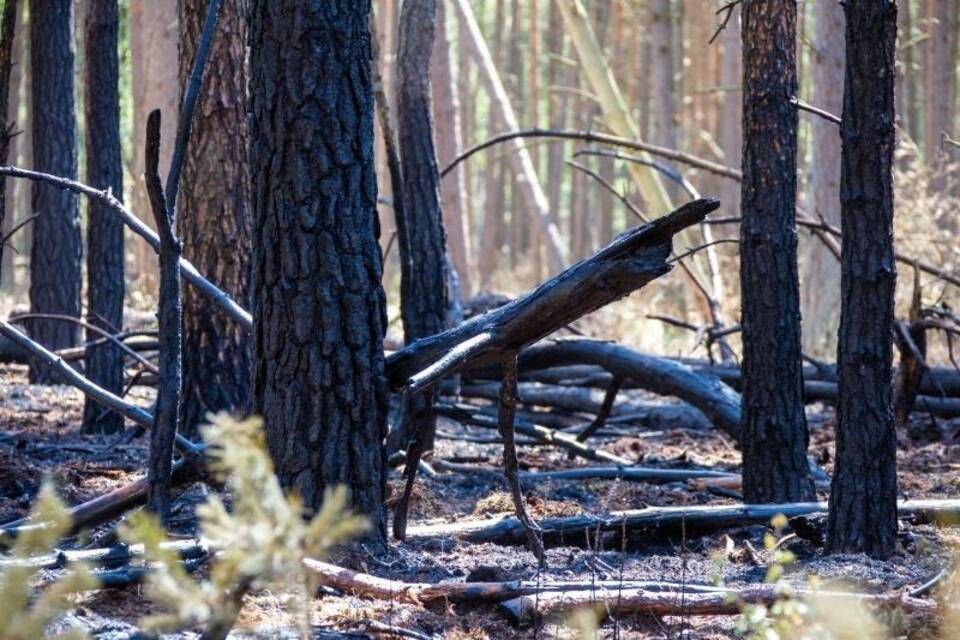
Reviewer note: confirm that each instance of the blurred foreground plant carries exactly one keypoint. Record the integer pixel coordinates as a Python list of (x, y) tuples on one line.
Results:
[(813, 617), (262, 540), (23, 615)]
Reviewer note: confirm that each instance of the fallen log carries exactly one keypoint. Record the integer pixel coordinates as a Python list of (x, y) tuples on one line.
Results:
[(683, 601), (627, 264), (632, 474), (467, 414), (370, 586), (663, 522), (112, 504), (581, 400), (113, 556), (666, 377)]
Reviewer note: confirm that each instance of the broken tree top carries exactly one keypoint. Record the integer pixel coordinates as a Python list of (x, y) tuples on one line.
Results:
[(629, 262)]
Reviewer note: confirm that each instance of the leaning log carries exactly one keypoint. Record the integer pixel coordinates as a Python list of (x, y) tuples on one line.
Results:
[(663, 522), (627, 264)]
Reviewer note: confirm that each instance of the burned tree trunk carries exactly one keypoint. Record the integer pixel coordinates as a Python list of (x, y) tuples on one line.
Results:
[(863, 498), (319, 306), (774, 425), (214, 219), (105, 278), (423, 290), (57, 248)]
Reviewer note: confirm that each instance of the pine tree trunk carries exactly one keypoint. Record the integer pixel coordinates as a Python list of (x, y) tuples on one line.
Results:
[(214, 216), (731, 130), (449, 136), (863, 497), (774, 426), (662, 72), (154, 85), (941, 68), (57, 248), (821, 278), (319, 308), (105, 275), (494, 210)]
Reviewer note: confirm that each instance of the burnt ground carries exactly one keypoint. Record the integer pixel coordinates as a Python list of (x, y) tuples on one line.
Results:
[(39, 435)]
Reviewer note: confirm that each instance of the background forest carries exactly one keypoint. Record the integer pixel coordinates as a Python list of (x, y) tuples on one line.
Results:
[(324, 319), (681, 78)]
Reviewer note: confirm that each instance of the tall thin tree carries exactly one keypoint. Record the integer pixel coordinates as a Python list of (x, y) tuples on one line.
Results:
[(57, 248), (105, 278), (775, 467), (863, 496), (319, 309), (214, 214), (423, 287)]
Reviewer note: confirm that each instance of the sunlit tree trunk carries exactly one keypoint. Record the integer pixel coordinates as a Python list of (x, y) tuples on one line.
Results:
[(821, 276), (214, 215), (154, 85), (731, 131), (449, 137)]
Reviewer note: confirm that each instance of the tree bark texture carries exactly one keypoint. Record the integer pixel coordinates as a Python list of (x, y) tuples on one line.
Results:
[(863, 498), (421, 234), (214, 215), (821, 277), (319, 308), (57, 248), (774, 425), (105, 275)]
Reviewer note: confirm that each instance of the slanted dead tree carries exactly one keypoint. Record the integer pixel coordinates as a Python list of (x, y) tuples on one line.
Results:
[(497, 337), (167, 416)]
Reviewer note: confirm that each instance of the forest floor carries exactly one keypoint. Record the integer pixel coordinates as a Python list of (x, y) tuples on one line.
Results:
[(39, 436)]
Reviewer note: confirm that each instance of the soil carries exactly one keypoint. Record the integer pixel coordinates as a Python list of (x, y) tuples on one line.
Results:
[(40, 436)]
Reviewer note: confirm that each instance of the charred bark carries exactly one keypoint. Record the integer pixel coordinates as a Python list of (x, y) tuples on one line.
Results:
[(56, 249), (214, 218), (863, 498), (319, 306), (774, 425), (105, 277)]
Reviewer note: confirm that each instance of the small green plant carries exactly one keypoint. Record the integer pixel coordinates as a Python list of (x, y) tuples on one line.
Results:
[(27, 616), (263, 540), (813, 617)]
